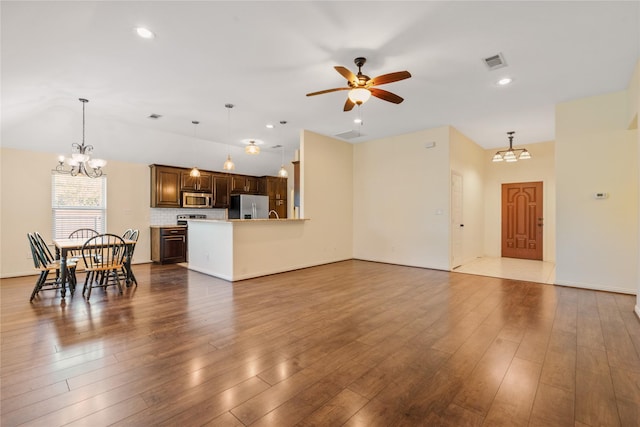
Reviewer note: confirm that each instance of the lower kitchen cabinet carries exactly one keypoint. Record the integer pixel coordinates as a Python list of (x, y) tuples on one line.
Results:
[(168, 244)]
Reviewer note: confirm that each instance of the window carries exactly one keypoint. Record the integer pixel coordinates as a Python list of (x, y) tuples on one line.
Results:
[(78, 202)]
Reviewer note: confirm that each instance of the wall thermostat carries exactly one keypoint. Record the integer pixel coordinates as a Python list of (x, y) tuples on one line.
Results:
[(600, 195)]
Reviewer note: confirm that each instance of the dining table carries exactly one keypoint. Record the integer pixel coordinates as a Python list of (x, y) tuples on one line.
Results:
[(64, 246)]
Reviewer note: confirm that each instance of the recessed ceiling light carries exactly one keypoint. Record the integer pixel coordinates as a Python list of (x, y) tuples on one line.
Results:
[(269, 126), (145, 33), (505, 81)]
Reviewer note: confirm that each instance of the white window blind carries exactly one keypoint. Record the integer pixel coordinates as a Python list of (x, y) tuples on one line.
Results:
[(78, 202)]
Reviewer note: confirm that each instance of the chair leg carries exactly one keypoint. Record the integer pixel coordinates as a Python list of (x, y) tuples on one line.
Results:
[(115, 274), (41, 279), (87, 280), (90, 287)]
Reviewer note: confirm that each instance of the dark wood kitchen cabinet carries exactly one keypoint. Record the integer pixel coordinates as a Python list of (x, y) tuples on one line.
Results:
[(277, 192), (244, 184), (203, 183), (168, 244), (165, 186), (220, 191)]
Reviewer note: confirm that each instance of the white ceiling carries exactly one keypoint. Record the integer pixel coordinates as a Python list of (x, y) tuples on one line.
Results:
[(264, 56)]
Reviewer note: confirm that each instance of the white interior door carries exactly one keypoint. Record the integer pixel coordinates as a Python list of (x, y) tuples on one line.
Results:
[(457, 223)]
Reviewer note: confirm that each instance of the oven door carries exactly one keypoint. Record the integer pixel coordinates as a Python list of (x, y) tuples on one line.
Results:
[(196, 200)]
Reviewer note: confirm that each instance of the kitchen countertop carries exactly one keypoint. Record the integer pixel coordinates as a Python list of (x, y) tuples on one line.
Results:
[(252, 220), (168, 226)]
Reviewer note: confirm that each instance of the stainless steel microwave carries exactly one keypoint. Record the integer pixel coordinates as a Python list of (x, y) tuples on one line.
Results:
[(196, 200)]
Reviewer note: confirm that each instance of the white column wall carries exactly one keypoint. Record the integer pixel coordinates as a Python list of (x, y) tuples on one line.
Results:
[(401, 199), (597, 239)]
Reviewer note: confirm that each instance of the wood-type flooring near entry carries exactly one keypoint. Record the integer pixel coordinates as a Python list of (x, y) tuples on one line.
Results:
[(352, 343)]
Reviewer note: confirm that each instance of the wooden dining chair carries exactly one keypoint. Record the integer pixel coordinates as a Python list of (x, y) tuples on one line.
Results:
[(72, 263), (103, 257), (81, 233), (45, 266), (127, 273)]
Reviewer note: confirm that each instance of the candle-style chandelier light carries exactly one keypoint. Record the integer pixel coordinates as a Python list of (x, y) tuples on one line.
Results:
[(80, 162)]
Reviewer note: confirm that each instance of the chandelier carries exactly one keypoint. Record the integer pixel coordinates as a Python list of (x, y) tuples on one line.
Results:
[(511, 155), (80, 161)]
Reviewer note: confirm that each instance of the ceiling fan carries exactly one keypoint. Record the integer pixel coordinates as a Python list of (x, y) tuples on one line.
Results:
[(361, 86)]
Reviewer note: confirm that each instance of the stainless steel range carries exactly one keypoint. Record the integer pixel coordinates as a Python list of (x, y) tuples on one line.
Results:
[(183, 219)]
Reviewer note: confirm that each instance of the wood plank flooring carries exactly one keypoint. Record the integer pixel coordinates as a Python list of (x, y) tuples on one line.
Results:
[(352, 343)]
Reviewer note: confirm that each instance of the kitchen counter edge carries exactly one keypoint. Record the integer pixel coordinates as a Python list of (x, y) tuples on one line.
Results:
[(252, 220)]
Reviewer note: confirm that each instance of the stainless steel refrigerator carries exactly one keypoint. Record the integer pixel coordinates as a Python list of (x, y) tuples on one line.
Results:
[(247, 206)]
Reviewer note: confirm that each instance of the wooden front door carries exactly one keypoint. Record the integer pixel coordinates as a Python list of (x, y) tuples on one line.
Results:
[(522, 220)]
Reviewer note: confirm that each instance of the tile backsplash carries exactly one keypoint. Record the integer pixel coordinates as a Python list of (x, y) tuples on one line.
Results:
[(165, 216)]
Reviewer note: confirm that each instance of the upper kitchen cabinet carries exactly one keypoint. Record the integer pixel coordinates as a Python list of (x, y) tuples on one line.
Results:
[(220, 191), (203, 183), (165, 186), (276, 187), (244, 184)]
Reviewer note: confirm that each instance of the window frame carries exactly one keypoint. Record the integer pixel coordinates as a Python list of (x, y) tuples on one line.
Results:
[(79, 214)]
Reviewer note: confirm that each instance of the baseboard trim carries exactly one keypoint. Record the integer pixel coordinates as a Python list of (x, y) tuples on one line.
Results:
[(615, 289)]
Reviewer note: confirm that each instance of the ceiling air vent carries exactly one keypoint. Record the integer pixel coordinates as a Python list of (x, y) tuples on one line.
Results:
[(350, 134), (154, 116), (496, 61)]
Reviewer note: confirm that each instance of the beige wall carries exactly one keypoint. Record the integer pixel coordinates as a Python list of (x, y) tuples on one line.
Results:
[(541, 167), (25, 184), (401, 199), (596, 240), (468, 160), (326, 172)]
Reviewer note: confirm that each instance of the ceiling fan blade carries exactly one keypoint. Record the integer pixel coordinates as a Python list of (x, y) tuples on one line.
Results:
[(387, 96), (348, 106), (328, 90), (347, 74), (390, 78)]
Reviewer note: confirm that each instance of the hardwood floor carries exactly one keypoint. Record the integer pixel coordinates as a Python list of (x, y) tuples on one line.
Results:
[(352, 343)]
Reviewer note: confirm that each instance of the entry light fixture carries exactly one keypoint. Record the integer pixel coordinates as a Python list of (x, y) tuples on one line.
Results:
[(511, 155), (228, 164), (80, 161)]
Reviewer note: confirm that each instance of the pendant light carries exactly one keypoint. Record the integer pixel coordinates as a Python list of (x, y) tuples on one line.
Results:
[(282, 173), (195, 172), (228, 164)]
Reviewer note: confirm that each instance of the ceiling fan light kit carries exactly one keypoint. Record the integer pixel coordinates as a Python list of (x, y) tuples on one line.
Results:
[(361, 87)]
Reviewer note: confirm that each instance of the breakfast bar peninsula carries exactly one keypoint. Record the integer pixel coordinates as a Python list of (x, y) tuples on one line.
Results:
[(237, 249)]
